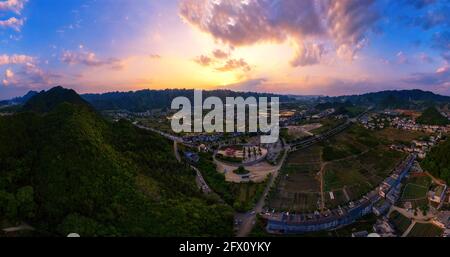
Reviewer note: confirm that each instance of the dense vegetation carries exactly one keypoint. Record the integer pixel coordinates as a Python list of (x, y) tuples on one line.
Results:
[(48, 100), (68, 170), (158, 99), (438, 161), (432, 116), (413, 99), (241, 196)]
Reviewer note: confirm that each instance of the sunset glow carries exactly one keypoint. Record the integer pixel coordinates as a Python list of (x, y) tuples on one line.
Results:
[(300, 47)]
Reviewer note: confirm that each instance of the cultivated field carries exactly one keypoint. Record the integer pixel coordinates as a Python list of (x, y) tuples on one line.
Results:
[(425, 230), (298, 188), (415, 190), (400, 222), (339, 170)]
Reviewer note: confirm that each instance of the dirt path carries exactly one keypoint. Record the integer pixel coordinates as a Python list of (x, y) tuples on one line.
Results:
[(413, 223), (22, 227), (322, 186), (249, 219), (322, 175)]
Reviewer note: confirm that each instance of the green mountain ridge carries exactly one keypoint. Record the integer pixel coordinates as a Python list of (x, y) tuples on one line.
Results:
[(432, 116), (64, 169), (438, 161), (409, 99), (46, 101)]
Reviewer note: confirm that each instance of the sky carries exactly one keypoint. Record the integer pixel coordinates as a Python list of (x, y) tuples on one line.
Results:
[(308, 47)]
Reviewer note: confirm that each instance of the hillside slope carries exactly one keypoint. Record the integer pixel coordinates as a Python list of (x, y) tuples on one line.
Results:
[(410, 99), (432, 116), (438, 161), (68, 170)]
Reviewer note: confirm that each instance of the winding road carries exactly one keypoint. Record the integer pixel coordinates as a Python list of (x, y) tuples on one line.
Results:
[(249, 219), (201, 183)]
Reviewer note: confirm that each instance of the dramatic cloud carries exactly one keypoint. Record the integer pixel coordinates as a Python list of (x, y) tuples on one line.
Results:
[(222, 61), (12, 23), (247, 22), (88, 59), (28, 75), (155, 56), (219, 54), (308, 55), (15, 59), (203, 60), (233, 64), (12, 5), (8, 78)]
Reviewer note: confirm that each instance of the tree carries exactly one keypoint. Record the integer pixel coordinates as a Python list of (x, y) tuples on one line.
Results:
[(8, 205), (25, 202)]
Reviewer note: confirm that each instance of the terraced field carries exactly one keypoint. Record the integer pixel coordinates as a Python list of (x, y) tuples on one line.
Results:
[(298, 188), (425, 230), (340, 170)]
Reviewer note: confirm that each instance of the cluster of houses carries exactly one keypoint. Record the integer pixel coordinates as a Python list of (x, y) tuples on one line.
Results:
[(419, 147), (385, 195), (323, 114), (410, 124), (215, 138), (374, 121), (295, 117), (274, 151), (384, 228), (5, 114), (442, 220)]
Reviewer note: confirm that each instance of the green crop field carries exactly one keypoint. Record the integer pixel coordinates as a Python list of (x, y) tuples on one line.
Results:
[(351, 168), (416, 189), (413, 192), (400, 222), (425, 230)]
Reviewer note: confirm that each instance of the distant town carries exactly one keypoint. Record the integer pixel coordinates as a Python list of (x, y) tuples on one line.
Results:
[(299, 186)]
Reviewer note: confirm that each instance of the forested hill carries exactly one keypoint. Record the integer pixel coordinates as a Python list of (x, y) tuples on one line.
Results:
[(432, 116), (68, 170), (438, 161), (411, 99), (144, 100), (46, 101)]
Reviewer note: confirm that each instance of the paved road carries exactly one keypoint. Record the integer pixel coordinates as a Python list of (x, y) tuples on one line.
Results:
[(249, 219), (175, 151), (22, 227), (177, 140), (166, 135)]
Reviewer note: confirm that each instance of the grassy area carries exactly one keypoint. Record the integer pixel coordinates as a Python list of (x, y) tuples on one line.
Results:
[(351, 164), (425, 230), (292, 135), (392, 135), (413, 191), (246, 195), (327, 124), (297, 187), (400, 222), (228, 159), (241, 196)]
